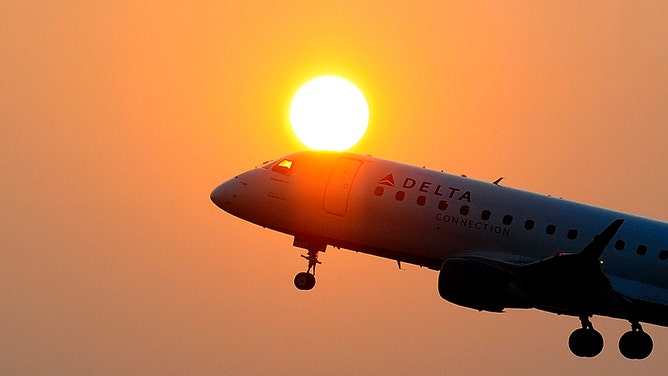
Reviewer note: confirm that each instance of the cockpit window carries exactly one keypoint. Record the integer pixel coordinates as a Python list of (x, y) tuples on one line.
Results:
[(283, 167)]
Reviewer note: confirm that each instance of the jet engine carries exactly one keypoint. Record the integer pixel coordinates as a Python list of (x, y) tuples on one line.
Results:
[(481, 284)]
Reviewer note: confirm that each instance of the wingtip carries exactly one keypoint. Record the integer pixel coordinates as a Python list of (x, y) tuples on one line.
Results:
[(594, 249), (615, 225)]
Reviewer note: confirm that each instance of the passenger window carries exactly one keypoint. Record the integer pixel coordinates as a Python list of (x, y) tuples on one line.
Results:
[(283, 167), (379, 191), (663, 255), (619, 245), (507, 219), (442, 205), (421, 200), (642, 250), (400, 195), (486, 215), (528, 225), (464, 210), (572, 234), (550, 229)]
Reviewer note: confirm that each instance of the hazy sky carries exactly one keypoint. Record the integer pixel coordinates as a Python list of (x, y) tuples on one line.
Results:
[(117, 120)]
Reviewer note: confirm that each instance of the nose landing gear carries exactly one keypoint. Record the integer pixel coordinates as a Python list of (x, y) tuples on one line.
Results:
[(306, 280)]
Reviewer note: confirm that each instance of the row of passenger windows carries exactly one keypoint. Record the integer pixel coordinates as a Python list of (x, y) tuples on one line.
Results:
[(507, 219)]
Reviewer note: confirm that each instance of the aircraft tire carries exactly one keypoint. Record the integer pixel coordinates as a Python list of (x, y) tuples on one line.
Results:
[(585, 343), (304, 281), (636, 345)]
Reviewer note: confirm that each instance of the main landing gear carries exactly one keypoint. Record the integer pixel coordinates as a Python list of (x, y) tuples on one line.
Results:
[(306, 280), (586, 342), (636, 344)]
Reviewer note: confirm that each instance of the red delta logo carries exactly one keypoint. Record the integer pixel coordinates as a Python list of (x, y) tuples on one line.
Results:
[(388, 180)]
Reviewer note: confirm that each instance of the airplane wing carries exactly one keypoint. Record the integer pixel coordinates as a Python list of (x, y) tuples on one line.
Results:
[(574, 283), (571, 284)]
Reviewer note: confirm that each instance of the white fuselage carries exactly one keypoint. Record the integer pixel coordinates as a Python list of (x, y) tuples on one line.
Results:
[(422, 216)]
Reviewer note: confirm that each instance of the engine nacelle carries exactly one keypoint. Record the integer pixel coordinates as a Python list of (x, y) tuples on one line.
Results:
[(476, 284)]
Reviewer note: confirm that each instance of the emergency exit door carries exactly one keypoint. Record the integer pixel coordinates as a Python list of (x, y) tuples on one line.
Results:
[(339, 185)]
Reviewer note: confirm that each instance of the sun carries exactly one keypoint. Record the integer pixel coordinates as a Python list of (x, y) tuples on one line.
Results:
[(329, 113)]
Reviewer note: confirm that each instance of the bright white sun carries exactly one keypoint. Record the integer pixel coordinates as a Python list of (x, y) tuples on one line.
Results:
[(329, 113)]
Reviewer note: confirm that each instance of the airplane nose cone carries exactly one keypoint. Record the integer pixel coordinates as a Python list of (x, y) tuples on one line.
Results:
[(221, 196)]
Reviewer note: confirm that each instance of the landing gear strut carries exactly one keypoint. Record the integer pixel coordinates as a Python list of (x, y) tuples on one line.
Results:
[(306, 280), (585, 342), (636, 344)]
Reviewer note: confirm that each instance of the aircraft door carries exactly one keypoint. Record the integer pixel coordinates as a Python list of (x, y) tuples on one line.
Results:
[(339, 185)]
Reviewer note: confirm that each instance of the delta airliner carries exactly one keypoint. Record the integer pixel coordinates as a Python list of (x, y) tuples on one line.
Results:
[(494, 247)]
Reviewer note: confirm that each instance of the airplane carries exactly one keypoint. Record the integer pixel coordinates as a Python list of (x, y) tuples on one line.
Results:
[(494, 247)]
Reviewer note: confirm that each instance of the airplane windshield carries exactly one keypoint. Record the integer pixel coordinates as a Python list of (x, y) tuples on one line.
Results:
[(284, 167)]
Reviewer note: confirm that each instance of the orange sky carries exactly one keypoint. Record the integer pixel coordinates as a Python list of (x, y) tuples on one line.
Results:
[(118, 120)]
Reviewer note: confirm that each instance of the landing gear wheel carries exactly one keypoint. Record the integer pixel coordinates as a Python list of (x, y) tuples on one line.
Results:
[(304, 281), (636, 344), (585, 342)]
